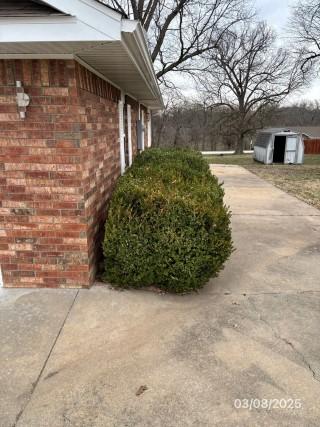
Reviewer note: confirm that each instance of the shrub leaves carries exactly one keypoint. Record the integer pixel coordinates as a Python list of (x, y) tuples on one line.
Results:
[(167, 225)]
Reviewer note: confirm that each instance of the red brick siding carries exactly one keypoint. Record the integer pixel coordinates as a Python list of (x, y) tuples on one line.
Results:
[(101, 166), (57, 171), (90, 82)]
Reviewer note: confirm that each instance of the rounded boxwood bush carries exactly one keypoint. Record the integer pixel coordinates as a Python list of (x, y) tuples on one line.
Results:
[(167, 224)]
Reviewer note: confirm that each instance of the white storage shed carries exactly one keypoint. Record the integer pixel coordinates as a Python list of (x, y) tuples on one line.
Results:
[(279, 146)]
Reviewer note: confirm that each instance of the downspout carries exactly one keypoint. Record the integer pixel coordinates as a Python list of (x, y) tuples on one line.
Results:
[(122, 134)]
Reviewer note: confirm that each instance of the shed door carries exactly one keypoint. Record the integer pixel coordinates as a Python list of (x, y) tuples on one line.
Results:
[(291, 149)]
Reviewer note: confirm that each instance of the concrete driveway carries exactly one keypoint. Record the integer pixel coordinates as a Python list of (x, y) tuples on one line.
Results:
[(108, 358)]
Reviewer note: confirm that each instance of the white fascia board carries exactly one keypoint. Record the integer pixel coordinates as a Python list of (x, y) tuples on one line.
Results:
[(140, 37), (129, 25), (89, 12), (153, 105), (137, 49), (54, 29)]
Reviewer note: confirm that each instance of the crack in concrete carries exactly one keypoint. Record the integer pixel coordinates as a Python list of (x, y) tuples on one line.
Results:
[(302, 357), (285, 340), (34, 385), (288, 292)]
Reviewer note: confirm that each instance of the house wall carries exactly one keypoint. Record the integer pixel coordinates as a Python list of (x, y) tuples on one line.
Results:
[(134, 117), (145, 113), (100, 152), (58, 167)]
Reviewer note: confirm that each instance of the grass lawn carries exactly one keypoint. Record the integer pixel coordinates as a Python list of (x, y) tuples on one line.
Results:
[(301, 181)]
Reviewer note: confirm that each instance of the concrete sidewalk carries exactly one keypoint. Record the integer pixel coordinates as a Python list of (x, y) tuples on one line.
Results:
[(78, 358)]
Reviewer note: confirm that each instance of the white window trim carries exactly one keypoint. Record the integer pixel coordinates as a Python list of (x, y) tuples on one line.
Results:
[(149, 129), (142, 122), (121, 135), (129, 122)]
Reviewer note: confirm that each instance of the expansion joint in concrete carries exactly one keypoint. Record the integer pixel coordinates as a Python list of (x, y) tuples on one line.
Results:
[(34, 385)]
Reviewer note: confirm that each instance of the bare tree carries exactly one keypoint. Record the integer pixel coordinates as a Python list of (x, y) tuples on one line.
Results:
[(247, 75), (206, 129), (179, 31), (305, 31)]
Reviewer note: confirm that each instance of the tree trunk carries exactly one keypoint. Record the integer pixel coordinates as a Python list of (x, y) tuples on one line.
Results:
[(240, 144), (177, 136)]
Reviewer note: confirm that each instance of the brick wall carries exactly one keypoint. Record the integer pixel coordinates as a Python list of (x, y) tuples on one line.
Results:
[(58, 167), (101, 158)]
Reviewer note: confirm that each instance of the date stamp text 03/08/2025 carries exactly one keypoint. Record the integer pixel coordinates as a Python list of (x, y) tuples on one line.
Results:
[(267, 404)]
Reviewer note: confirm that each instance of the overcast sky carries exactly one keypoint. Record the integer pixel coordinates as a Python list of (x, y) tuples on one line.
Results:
[(276, 13)]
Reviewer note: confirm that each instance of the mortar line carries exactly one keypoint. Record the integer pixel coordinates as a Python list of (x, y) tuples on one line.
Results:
[(34, 385)]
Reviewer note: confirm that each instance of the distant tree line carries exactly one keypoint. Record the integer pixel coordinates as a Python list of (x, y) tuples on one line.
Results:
[(205, 128)]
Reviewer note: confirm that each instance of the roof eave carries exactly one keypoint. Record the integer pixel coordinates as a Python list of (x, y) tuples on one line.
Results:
[(134, 40), (88, 27)]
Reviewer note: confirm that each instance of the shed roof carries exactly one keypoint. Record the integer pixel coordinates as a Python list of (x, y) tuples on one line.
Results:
[(279, 130), (309, 131)]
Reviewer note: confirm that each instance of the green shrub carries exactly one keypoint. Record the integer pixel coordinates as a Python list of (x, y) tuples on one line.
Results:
[(167, 225)]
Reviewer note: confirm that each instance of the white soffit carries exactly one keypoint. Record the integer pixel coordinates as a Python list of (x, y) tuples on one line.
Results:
[(98, 36)]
